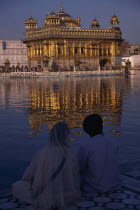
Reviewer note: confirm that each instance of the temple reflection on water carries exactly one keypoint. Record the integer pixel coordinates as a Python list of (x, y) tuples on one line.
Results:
[(46, 101), (72, 99)]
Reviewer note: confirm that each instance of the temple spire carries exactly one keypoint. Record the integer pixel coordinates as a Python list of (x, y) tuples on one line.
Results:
[(61, 6)]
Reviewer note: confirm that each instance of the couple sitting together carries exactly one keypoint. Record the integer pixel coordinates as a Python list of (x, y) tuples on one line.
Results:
[(60, 174)]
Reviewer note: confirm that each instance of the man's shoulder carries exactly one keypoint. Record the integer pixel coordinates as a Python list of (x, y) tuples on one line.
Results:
[(86, 141), (104, 137), (105, 141), (86, 145)]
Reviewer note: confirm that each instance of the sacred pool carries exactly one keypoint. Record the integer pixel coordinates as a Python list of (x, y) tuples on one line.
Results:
[(29, 107)]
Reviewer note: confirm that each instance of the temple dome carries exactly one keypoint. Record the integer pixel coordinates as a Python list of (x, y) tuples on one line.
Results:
[(63, 14), (31, 23), (61, 19), (95, 23), (53, 15), (52, 20), (31, 20), (114, 20)]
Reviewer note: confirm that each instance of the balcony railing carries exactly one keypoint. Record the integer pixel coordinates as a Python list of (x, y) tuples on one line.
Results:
[(108, 34)]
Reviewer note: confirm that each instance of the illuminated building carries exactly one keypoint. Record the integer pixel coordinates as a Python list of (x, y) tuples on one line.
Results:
[(62, 43)]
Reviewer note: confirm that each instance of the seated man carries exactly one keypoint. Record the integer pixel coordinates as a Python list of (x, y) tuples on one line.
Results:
[(98, 158)]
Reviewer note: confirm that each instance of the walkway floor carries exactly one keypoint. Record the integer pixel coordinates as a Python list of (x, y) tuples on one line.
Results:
[(127, 198)]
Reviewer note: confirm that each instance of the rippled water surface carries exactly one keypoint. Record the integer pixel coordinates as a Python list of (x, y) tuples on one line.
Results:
[(30, 107)]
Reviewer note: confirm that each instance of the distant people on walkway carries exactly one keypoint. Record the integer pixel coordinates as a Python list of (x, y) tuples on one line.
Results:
[(20, 69), (53, 174), (98, 158)]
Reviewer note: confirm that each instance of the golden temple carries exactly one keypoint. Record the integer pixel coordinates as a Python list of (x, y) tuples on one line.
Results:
[(62, 44)]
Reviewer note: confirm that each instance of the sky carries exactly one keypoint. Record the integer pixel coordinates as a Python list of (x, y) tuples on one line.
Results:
[(13, 14)]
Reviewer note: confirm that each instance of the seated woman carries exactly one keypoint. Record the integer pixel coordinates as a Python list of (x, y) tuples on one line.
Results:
[(53, 173)]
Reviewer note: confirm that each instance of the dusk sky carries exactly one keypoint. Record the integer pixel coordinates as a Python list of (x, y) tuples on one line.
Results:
[(14, 12)]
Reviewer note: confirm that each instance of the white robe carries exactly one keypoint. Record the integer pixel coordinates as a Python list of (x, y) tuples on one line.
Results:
[(64, 190), (99, 169)]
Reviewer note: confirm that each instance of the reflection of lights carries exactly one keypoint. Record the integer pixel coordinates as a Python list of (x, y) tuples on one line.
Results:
[(76, 133), (73, 139), (72, 99), (116, 133)]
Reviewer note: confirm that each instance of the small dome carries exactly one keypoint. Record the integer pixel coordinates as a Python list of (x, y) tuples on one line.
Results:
[(31, 20), (95, 23), (63, 14), (52, 19), (52, 15), (114, 20), (31, 23), (61, 10), (7, 61), (128, 62)]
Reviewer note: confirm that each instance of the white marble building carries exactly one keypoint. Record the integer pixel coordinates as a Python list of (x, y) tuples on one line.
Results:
[(14, 51), (134, 59)]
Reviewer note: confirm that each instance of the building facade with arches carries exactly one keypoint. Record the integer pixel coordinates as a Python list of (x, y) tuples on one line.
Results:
[(62, 44)]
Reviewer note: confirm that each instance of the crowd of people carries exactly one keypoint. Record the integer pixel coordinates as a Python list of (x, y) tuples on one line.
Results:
[(60, 174), (54, 68), (4, 69)]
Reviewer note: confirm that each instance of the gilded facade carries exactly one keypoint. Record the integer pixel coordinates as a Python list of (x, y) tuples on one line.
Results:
[(62, 43)]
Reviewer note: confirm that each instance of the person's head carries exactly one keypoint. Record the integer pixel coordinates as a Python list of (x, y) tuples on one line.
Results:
[(93, 125), (59, 134)]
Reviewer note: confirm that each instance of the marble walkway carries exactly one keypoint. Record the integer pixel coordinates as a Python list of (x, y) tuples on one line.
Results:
[(127, 198)]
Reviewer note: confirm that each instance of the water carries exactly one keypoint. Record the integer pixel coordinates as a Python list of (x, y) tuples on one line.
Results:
[(29, 107)]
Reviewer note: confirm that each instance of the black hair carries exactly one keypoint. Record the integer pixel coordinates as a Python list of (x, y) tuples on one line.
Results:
[(93, 125)]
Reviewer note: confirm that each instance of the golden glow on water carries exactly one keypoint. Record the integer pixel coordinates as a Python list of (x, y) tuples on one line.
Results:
[(116, 133), (71, 99), (29, 106), (49, 100)]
